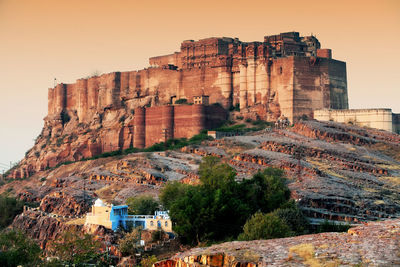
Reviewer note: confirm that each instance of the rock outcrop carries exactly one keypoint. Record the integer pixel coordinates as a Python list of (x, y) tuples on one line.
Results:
[(373, 244)]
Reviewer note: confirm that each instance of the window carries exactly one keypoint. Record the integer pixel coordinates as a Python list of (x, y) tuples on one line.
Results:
[(280, 70), (151, 223), (166, 224)]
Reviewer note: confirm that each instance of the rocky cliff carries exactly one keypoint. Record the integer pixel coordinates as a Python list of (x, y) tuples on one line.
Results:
[(286, 74)]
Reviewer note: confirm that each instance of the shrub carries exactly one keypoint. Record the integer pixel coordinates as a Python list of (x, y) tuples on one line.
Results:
[(142, 205), (73, 248), (17, 249), (294, 218), (157, 235), (148, 261), (328, 226), (264, 226), (122, 119), (130, 242), (181, 101), (10, 207)]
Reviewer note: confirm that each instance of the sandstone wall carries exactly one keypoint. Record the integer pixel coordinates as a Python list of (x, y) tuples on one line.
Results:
[(286, 74), (373, 118), (158, 124)]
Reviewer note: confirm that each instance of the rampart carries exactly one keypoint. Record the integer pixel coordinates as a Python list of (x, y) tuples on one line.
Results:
[(282, 75), (380, 118), (158, 124)]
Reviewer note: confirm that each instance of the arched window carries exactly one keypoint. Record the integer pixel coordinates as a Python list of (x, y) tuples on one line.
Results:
[(151, 223), (166, 224)]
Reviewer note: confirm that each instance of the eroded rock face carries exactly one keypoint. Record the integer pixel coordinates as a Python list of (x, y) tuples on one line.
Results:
[(41, 227), (375, 244)]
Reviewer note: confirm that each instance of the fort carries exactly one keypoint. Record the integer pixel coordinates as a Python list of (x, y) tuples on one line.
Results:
[(285, 75)]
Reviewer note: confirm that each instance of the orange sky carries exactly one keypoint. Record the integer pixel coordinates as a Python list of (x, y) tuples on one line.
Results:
[(69, 39)]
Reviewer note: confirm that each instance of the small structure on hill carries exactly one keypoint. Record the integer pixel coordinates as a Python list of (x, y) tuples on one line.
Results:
[(113, 217), (378, 118)]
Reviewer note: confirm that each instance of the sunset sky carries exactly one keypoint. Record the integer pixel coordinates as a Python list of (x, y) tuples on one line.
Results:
[(68, 39)]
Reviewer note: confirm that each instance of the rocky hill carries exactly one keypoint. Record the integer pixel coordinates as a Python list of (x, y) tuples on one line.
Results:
[(335, 171), (373, 244)]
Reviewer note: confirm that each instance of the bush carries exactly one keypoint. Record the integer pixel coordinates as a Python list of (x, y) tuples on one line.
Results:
[(328, 226), (17, 249), (294, 218), (9, 207), (130, 242), (73, 248), (148, 261), (142, 205), (157, 235), (264, 226)]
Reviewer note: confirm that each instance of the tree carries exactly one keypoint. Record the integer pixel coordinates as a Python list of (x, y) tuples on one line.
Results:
[(214, 174), (211, 211), (17, 249), (171, 192), (218, 208), (142, 205), (73, 248), (129, 243), (9, 207), (293, 217), (264, 226), (266, 190)]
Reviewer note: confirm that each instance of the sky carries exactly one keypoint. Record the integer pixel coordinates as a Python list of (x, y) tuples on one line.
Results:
[(69, 39)]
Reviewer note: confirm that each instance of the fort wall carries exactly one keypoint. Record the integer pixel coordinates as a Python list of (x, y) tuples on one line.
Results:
[(382, 119)]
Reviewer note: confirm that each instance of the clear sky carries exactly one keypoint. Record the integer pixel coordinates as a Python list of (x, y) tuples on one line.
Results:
[(68, 39)]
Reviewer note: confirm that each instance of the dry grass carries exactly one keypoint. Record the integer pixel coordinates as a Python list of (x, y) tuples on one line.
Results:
[(250, 256), (325, 167), (79, 221), (307, 252), (391, 180), (390, 150)]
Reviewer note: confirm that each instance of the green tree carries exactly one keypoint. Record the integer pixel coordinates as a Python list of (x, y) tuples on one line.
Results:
[(266, 190), (216, 175), (129, 243), (218, 208), (73, 248), (172, 192), (9, 208), (142, 205), (17, 249), (264, 226), (293, 217)]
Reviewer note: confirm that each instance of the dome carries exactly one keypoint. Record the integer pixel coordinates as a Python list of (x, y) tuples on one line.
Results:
[(99, 203)]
